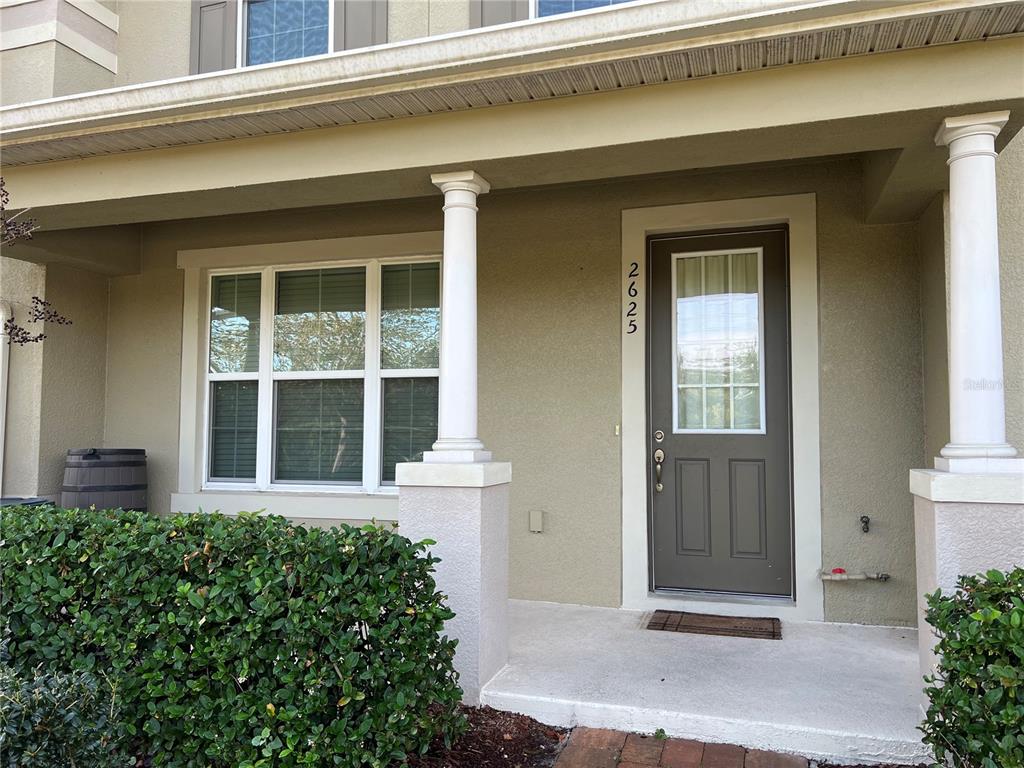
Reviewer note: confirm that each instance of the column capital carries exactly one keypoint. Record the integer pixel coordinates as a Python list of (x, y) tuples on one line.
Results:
[(469, 181), (985, 123)]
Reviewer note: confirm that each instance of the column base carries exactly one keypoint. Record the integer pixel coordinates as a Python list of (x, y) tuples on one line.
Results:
[(455, 451), (980, 464), (978, 451), (464, 508), (450, 456)]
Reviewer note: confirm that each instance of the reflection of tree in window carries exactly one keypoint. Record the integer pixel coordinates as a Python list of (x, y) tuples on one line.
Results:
[(718, 336), (410, 315), (235, 323), (319, 341), (320, 320)]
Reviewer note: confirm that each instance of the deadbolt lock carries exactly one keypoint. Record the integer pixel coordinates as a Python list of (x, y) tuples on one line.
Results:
[(658, 436)]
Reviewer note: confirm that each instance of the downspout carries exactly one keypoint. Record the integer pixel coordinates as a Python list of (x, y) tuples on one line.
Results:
[(5, 360)]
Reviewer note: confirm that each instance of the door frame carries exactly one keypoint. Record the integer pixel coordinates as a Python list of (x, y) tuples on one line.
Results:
[(799, 212)]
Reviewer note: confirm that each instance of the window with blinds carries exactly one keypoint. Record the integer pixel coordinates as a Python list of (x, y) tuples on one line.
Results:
[(323, 376)]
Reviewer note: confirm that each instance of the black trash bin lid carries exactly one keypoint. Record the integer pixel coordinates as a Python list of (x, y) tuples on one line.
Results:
[(28, 501)]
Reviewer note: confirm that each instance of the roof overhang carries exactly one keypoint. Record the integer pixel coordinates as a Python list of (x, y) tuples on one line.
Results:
[(646, 43)]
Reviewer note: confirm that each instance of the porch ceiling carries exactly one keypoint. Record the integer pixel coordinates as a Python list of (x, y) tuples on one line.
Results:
[(782, 114)]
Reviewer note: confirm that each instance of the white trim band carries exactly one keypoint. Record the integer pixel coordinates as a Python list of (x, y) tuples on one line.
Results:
[(935, 485), (24, 37)]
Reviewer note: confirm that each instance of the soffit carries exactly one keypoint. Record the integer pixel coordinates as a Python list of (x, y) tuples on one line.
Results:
[(485, 68)]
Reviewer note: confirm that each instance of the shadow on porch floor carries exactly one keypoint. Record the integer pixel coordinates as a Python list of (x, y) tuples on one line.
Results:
[(838, 692)]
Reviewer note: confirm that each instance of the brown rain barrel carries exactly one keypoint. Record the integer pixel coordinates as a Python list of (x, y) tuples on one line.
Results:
[(109, 478)]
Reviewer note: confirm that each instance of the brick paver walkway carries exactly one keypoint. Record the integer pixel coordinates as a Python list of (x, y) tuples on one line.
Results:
[(599, 748)]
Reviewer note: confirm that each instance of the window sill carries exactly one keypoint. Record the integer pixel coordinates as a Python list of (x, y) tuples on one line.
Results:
[(347, 504)]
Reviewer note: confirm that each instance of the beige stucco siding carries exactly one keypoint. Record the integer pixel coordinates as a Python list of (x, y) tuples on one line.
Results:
[(144, 352), (1010, 175), (153, 40), (74, 73), (26, 74), (19, 282), (871, 407), (933, 252), (56, 386), (408, 20), (549, 365), (74, 371)]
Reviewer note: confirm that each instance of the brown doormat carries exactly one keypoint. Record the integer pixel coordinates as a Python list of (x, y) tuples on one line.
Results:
[(709, 624)]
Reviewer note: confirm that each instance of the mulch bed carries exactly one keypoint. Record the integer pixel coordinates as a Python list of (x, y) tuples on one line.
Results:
[(497, 739)]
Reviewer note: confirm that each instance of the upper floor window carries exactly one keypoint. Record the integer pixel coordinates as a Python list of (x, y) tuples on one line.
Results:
[(276, 30), (238, 33), (554, 7)]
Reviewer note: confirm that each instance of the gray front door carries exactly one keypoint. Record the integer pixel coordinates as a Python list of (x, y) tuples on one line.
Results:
[(719, 407)]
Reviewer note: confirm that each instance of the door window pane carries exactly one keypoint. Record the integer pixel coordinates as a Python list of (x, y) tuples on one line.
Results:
[(235, 323), (277, 30), (718, 341), (409, 421), (410, 318), (320, 320), (233, 430), (319, 431)]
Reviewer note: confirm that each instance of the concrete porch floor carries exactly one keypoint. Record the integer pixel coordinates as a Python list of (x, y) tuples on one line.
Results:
[(838, 692)]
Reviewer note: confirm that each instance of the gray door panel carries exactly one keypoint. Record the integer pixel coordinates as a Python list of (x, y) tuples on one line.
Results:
[(722, 521)]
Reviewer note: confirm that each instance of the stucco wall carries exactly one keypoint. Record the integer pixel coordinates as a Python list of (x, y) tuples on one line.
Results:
[(74, 73), (19, 282), (143, 356), (153, 40), (410, 20), (74, 371), (56, 387), (26, 74), (1010, 175), (934, 256), (549, 365)]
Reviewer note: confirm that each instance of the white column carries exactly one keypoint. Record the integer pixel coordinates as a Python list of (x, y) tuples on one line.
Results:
[(457, 439), (976, 400)]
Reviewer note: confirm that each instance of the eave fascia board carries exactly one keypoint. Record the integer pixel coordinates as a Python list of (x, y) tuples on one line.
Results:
[(535, 46)]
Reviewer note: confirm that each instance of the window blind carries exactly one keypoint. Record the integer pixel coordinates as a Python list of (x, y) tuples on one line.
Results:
[(319, 431), (233, 429), (409, 424)]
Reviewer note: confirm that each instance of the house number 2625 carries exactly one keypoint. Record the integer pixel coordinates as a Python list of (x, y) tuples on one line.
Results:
[(631, 292)]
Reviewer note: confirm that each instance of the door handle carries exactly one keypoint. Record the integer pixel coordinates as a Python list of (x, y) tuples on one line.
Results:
[(659, 457)]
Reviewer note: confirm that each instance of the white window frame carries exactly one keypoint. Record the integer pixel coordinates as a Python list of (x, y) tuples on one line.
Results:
[(241, 37), (372, 374), (676, 257), (535, 10)]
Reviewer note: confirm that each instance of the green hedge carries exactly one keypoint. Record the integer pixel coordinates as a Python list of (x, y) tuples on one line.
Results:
[(976, 713), (243, 642), (52, 719)]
